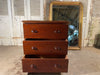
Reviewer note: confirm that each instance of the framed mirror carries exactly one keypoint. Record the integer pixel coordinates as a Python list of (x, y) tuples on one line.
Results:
[(72, 12)]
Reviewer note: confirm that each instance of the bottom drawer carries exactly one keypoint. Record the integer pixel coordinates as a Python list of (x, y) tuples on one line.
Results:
[(46, 65)]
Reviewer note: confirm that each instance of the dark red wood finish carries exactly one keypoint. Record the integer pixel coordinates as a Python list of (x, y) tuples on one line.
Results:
[(45, 47), (46, 31), (47, 65), (44, 22)]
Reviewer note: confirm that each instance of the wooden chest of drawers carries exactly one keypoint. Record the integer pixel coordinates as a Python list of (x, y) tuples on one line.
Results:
[(45, 46)]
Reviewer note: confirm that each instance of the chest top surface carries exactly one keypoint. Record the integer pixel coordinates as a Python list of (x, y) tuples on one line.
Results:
[(44, 22)]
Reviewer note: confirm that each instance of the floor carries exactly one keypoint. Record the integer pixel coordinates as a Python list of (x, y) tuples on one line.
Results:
[(81, 62)]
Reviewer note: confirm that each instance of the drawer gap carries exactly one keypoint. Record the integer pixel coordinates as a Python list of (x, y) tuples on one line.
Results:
[(35, 56), (44, 40)]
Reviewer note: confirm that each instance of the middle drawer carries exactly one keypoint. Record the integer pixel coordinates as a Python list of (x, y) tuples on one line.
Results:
[(45, 47)]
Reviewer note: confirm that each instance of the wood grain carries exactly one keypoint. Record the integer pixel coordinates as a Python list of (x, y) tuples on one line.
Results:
[(44, 22), (45, 65), (46, 31), (45, 47)]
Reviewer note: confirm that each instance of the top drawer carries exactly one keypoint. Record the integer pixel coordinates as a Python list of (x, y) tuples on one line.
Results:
[(45, 31)]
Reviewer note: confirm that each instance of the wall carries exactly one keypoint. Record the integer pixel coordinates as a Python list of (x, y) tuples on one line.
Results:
[(5, 31), (12, 12), (94, 26)]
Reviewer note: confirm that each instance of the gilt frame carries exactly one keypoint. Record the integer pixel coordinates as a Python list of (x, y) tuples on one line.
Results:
[(80, 19)]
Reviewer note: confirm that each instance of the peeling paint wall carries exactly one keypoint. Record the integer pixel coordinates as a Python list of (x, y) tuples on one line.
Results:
[(12, 13), (95, 23), (12, 33), (47, 8)]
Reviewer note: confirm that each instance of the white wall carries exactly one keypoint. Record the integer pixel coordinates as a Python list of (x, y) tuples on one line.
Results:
[(12, 12)]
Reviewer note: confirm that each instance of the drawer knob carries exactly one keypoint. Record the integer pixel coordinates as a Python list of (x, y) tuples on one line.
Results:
[(57, 66), (57, 31), (33, 66), (34, 31), (34, 48), (57, 48)]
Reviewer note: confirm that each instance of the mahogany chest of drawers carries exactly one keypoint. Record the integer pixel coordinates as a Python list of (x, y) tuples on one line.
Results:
[(45, 46)]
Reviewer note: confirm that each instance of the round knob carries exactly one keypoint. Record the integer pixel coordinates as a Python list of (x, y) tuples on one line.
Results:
[(57, 66), (57, 31), (33, 66), (34, 31), (57, 48), (34, 48)]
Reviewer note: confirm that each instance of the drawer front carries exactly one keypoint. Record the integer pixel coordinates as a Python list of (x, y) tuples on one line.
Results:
[(49, 47), (39, 65), (45, 31)]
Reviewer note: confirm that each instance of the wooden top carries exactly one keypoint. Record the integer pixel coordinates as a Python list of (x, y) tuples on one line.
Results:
[(66, 3), (50, 22)]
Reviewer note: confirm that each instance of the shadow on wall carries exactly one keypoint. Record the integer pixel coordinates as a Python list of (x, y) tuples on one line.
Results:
[(97, 41), (44, 73)]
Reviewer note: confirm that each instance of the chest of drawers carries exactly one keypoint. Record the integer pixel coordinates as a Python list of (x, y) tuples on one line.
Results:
[(45, 46)]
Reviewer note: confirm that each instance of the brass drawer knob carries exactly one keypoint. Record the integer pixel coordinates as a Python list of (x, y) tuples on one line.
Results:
[(57, 48), (57, 66), (34, 48), (34, 31), (57, 31), (33, 66)]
